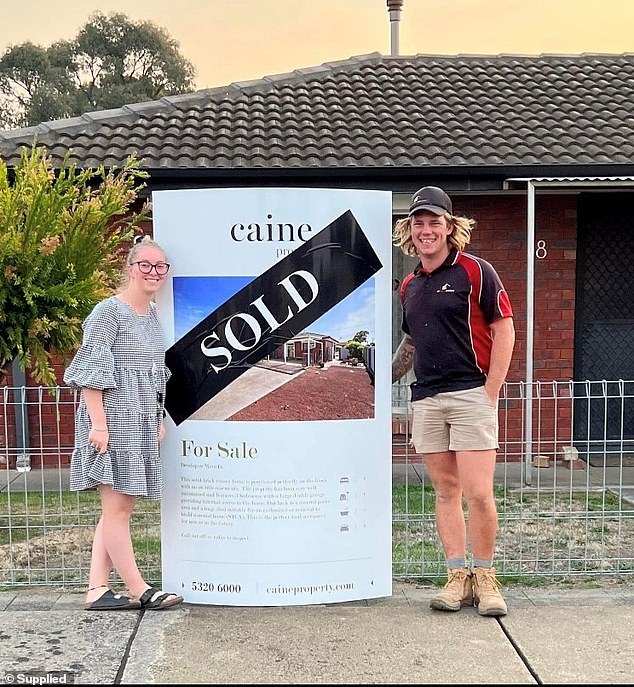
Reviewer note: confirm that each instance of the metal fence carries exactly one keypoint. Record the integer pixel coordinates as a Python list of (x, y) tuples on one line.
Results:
[(565, 493)]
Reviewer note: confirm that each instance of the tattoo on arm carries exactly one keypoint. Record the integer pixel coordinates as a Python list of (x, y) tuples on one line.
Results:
[(403, 359)]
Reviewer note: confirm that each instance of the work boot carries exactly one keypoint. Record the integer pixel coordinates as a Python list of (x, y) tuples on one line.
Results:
[(486, 592), (456, 593)]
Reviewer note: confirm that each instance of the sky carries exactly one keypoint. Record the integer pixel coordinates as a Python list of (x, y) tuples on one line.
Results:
[(239, 40), (197, 297)]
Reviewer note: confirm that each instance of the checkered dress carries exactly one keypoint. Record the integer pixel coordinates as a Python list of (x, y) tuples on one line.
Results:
[(123, 354)]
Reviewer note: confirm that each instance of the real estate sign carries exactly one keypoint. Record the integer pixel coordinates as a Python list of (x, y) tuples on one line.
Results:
[(277, 456)]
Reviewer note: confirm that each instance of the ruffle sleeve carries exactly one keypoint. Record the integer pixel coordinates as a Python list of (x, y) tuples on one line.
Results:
[(91, 368), (93, 365)]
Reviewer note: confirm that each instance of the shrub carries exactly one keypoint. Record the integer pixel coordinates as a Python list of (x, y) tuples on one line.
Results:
[(61, 239)]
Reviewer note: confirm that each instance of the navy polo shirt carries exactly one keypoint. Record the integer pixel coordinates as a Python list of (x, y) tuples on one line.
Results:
[(448, 315)]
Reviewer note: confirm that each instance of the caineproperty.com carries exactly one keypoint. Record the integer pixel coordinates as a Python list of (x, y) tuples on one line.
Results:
[(311, 589)]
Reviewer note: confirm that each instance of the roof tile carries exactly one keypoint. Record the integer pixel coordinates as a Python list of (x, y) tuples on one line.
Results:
[(372, 111)]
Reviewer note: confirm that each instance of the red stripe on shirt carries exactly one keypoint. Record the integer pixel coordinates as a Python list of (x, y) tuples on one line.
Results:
[(404, 284), (479, 330)]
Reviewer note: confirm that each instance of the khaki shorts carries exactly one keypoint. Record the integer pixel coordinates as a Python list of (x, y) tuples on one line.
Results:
[(455, 421)]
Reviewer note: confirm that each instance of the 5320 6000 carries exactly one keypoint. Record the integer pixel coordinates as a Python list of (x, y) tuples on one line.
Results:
[(222, 588)]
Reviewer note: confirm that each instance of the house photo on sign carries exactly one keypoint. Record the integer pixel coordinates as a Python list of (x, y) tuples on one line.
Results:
[(308, 376), (253, 358)]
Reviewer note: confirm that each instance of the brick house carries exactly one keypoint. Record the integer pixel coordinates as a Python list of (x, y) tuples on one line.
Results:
[(539, 150), (308, 348)]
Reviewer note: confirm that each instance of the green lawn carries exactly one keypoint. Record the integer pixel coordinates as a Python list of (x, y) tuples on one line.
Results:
[(46, 537)]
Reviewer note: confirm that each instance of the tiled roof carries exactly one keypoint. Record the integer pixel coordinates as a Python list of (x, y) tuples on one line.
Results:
[(372, 111)]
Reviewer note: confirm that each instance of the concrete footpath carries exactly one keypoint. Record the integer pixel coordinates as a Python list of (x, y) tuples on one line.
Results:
[(552, 635)]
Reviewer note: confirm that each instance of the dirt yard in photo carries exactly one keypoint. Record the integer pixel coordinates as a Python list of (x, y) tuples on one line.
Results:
[(338, 392)]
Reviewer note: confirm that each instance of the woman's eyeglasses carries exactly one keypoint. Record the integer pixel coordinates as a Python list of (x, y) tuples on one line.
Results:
[(145, 267)]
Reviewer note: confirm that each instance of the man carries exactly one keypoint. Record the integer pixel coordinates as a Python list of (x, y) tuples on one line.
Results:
[(459, 338)]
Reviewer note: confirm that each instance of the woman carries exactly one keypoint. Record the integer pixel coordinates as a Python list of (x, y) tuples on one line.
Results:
[(121, 372)]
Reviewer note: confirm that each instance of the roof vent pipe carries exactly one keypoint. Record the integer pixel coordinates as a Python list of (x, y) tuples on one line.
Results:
[(394, 7)]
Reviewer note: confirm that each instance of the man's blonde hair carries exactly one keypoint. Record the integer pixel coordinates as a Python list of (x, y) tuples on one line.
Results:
[(461, 228)]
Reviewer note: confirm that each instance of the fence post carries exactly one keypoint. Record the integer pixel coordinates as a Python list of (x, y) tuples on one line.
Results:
[(22, 436)]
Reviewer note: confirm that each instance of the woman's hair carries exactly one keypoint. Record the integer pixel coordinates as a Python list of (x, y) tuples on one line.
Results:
[(461, 228), (138, 242)]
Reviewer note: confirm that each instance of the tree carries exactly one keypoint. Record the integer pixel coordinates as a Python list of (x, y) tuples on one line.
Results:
[(355, 349), (61, 237), (361, 336), (111, 62), (34, 84)]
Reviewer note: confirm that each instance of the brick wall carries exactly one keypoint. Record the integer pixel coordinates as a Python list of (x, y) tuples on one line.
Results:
[(500, 238)]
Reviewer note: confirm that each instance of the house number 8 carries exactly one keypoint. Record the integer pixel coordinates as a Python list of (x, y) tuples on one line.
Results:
[(541, 252)]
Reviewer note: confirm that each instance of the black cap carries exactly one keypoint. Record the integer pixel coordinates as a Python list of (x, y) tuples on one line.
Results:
[(431, 198)]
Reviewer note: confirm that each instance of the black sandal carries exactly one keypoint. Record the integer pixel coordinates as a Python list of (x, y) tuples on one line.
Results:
[(150, 601), (109, 601)]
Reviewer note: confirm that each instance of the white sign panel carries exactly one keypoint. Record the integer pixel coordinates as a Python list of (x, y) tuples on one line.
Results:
[(277, 456)]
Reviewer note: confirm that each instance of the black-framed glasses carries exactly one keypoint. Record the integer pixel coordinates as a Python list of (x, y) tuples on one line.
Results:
[(145, 267)]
